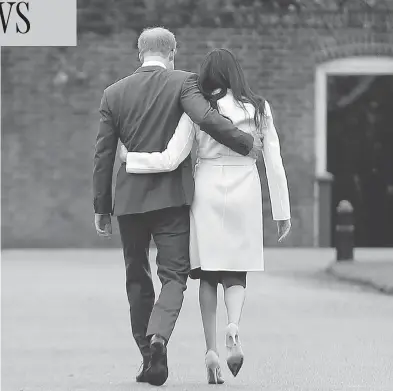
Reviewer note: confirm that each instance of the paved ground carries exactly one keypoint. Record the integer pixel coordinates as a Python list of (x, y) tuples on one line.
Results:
[(372, 269), (65, 327)]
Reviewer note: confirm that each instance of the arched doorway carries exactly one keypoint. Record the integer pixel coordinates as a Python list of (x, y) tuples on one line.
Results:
[(353, 135)]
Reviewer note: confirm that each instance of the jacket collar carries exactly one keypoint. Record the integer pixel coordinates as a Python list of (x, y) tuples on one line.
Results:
[(150, 66)]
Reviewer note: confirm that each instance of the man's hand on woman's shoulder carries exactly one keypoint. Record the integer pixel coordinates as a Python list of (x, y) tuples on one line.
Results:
[(123, 153), (256, 150)]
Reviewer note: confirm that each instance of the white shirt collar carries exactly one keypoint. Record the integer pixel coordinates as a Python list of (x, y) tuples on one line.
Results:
[(153, 63)]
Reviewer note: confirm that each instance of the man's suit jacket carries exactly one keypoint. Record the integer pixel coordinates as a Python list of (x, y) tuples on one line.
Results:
[(143, 110)]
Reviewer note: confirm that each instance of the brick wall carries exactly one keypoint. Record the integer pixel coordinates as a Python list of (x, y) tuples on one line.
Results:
[(50, 98)]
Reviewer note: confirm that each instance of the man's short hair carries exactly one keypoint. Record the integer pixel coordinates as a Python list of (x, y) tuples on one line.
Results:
[(156, 40)]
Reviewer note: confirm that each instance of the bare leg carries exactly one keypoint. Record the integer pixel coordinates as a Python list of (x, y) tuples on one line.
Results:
[(234, 297), (208, 304)]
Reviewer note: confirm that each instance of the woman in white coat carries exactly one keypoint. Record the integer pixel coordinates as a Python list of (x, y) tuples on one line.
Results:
[(226, 231)]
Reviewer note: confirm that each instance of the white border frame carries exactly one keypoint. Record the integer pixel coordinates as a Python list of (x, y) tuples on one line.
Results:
[(368, 65)]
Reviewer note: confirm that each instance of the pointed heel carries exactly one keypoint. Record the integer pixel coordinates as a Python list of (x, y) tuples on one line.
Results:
[(235, 356), (213, 369)]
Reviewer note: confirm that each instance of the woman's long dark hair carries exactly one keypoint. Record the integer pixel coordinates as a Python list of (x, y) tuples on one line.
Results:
[(221, 70)]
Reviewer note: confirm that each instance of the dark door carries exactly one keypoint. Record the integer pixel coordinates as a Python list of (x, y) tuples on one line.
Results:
[(360, 153)]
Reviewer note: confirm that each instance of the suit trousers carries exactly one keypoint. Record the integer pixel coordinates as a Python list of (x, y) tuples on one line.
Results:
[(170, 229)]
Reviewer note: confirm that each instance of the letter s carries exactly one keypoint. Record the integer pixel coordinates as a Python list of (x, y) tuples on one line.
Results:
[(24, 17)]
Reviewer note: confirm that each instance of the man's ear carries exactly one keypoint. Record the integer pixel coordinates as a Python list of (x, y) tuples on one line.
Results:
[(140, 56), (171, 56)]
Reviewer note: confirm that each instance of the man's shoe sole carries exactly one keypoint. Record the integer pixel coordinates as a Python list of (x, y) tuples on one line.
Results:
[(157, 372)]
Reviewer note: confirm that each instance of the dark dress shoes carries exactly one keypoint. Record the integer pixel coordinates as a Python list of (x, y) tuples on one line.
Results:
[(157, 370), (141, 376)]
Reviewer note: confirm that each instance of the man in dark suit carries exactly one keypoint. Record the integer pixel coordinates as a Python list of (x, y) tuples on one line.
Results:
[(143, 110)]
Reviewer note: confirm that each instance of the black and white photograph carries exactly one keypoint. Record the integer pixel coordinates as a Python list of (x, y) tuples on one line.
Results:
[(197, 194)]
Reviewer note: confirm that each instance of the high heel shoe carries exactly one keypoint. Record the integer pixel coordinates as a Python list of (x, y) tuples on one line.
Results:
[(213, 369), (235, 356)]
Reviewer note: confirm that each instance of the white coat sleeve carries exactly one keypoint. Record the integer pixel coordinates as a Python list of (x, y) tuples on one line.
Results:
[(179, 147), (275, 172)]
